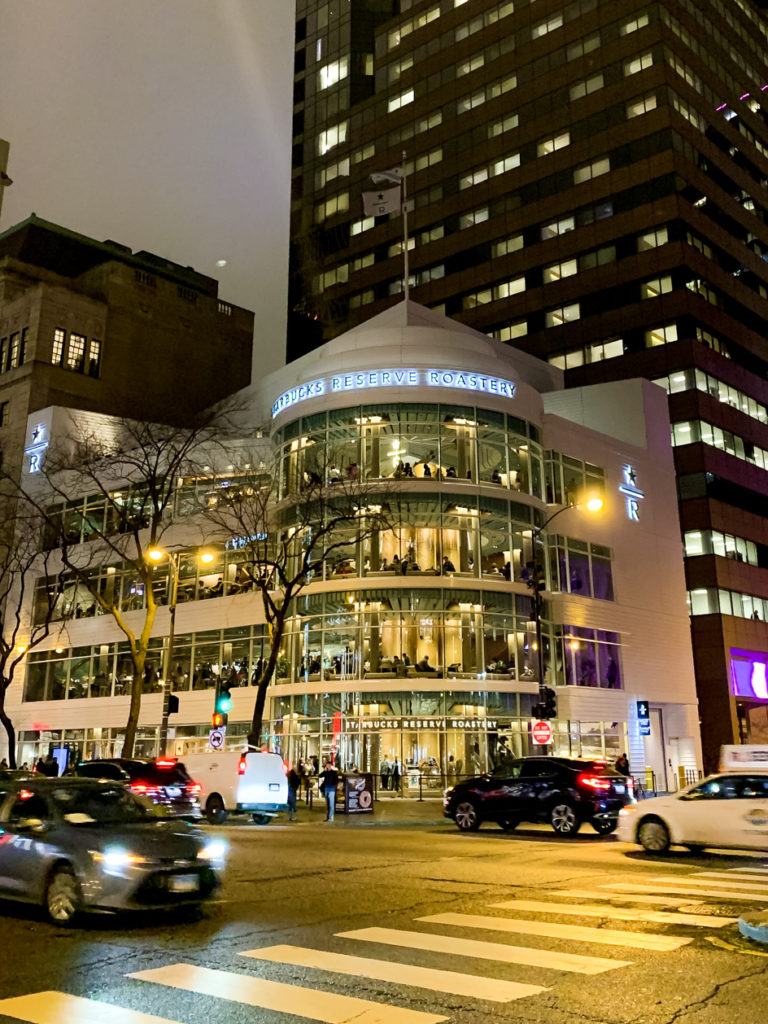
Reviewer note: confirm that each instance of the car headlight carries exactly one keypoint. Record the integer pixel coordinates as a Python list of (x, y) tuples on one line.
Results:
[(214, 852), (113, 858)]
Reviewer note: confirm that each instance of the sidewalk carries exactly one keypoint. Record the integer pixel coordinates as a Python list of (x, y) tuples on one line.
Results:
[(387, 811)]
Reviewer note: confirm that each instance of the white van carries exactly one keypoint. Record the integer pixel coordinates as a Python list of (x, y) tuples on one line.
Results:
[(239, 782)]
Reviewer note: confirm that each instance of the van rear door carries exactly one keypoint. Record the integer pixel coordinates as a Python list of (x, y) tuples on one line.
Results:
[(262, 785)]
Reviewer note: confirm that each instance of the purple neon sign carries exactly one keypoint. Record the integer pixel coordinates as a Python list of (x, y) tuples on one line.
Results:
[(749, 674)]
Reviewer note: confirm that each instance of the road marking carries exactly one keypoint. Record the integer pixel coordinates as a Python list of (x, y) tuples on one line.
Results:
[(591, 894), (615, 913), (724, 884), (468, 985), (556, 930), (720, 894), (757, 869), (60, 1008), (487, 950), (313, 1004)]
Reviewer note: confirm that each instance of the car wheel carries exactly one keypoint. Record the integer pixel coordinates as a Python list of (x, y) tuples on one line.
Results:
[(653, 835), (509, 824), (466, 817), (603, 827), (215, 811), (564, 820), (260, 819), (62, 896)]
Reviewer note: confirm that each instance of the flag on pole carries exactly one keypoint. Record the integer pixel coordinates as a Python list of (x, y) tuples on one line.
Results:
[(376, 204), (394, 174)]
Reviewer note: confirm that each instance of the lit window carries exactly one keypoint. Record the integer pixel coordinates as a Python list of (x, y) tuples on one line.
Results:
[(641, 105), (472, 63), (470, 102), (605, 350), (506, 124), (331, 137), (363, 154), (473, 177), (332, 73), (651, 239), (468, 220), (632, 26), (508, 163), (59, 337), (559, 270), (359, 226), (583, 46), (507, 245), (638, 63), (661, 335), (544, 27), (76, 352), (586, 86), (592, 170), (396, 102), (547, 146), (655, 287), (562, 315), (515, 330), (337, 204), (557, 227), (94, 358)]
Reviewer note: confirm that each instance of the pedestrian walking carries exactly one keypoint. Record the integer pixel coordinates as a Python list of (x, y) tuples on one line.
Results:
[(329, 780), (294, 781), (622, 764), (395, 775), (385, 770)]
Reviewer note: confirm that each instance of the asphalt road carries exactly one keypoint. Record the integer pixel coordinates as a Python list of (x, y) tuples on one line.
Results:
[(426, 939)]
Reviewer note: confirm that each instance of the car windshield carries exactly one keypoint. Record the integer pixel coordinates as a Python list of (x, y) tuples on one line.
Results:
[(101, 805)]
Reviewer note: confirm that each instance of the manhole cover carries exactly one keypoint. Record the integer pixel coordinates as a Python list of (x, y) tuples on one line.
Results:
[(713, 910)]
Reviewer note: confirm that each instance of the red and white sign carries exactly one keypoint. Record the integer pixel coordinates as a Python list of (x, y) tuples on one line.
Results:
[(541, 732)]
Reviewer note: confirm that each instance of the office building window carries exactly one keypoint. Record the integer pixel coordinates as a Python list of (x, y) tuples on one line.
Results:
[(396, 102), (558, 227), (639, 21), (545, 27), (587, 44), (337, 204), (547, 146), (76, 352), (506, 124), (13, 350), (559, 270), (586, 86), (331, 137), (641, 106), (59, 337), (468, 220), (357, 227), (473, 63), (518, 329), (332, 73), (656, 286), (651, 239), (3, 414), (562, 315), (507, 245), (661, 336), (94, 358), (638, 63), (592, 170)]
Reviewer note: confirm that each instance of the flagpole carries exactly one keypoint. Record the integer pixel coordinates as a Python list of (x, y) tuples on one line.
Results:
[(406, 285)]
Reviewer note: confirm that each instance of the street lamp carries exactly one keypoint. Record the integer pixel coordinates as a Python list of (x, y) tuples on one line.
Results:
[(156, 555), (535, 580)]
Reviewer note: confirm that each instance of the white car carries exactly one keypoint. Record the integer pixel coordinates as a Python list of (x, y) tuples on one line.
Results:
[(232, 782), (725, 810)]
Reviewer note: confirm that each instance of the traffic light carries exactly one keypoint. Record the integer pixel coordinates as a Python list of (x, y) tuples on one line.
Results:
[(546, 708), (173, 704), (222, 705)]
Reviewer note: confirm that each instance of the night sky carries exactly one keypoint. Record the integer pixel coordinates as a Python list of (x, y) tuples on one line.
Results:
[(163, 125)]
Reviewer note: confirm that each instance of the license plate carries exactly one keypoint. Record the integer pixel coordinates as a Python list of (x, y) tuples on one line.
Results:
[(620, 788), (274, 786), (172, 791), (184, 883)]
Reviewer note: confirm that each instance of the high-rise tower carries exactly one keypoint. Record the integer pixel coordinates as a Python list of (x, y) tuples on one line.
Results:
[(588, 182)]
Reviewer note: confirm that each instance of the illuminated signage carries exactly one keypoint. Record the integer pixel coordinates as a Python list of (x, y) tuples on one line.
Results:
[(749, 674), (429, 723), (631, 492), (363, 379), (643, 717), (34, 451)]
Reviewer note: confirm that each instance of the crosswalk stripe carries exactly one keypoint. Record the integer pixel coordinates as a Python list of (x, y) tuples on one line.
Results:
[(314, 1004), (457, 984), (724, 883), (720, 894), (641, 897), (555, 930), (609, 912), (759, 880), (487, 950), (60, 1008)]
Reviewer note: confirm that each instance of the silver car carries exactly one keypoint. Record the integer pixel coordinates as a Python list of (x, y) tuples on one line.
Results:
[(77, 844)]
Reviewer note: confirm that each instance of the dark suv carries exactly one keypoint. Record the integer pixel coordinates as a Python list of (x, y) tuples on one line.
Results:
[(565, 791), (165, 782)]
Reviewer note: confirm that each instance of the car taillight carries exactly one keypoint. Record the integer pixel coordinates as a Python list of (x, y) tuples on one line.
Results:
[(241, 766), (166, 762), (142, 788), (593, 781), (194, 787), (630, 782), (285, 767)]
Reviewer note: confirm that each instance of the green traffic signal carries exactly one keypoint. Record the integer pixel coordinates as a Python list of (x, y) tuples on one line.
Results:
[(223, 703)]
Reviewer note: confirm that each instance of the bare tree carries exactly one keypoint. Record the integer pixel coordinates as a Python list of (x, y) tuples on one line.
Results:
[(131, 470), (287, 533), (20, 631)]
